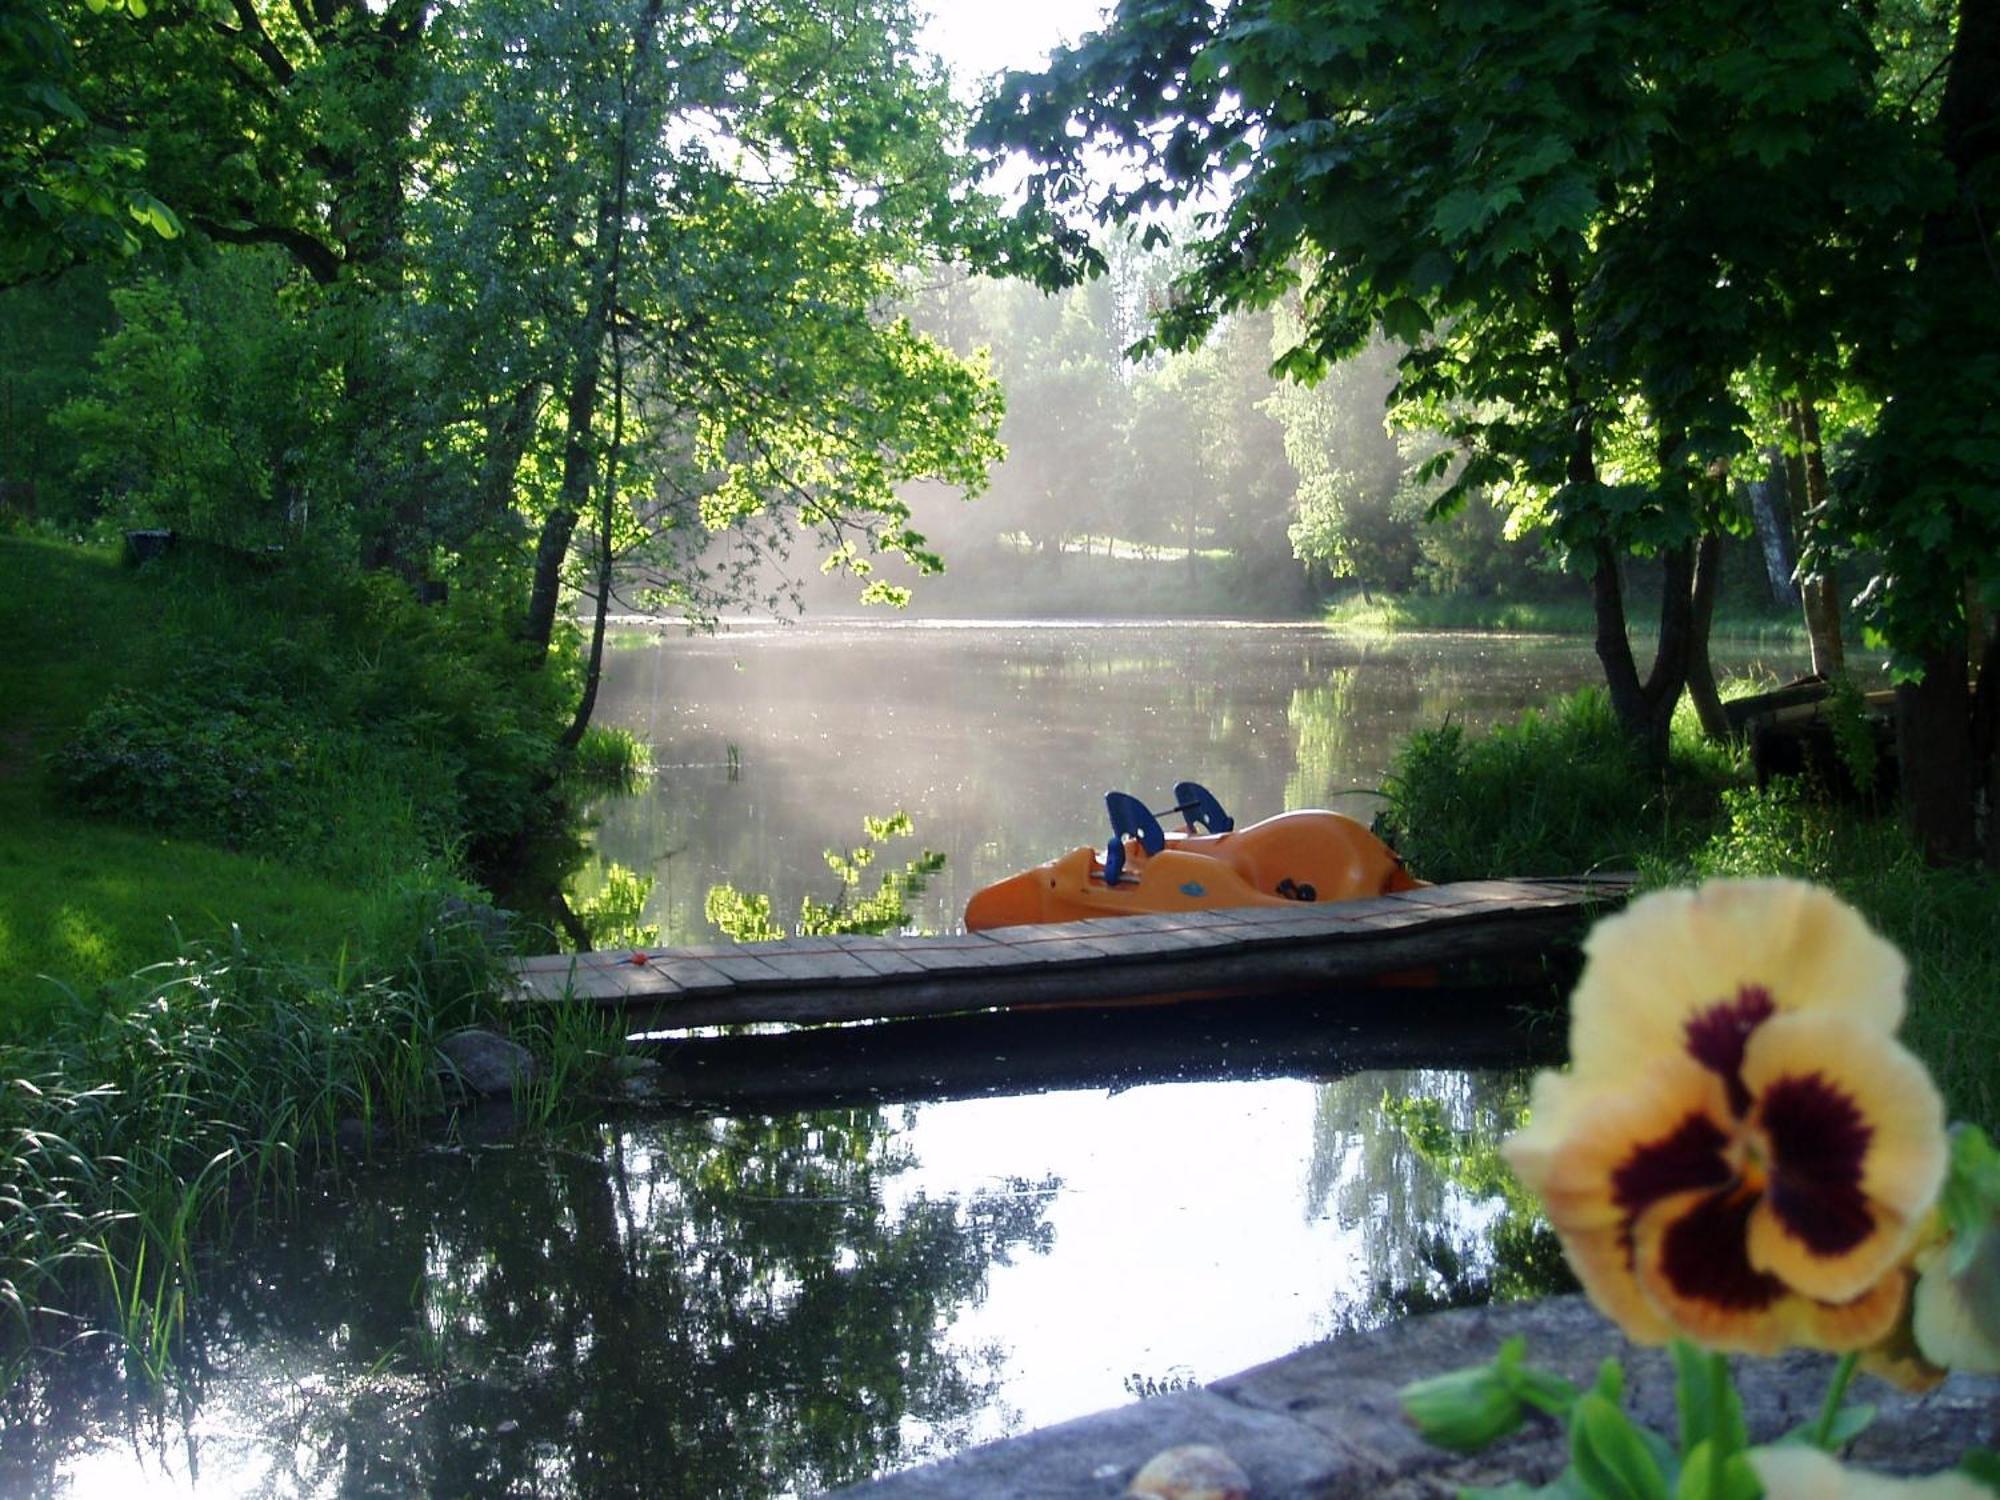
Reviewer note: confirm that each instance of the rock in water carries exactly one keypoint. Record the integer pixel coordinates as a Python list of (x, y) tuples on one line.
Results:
[(485, 1063), (1194, 1471)]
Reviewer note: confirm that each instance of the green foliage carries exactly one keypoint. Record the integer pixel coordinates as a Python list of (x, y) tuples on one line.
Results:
[(71, 187), (366, 734), (1558, 791), (614, 912), (852, 909), (207, 405), (417, 742), (610, 757), (1611, 1456)]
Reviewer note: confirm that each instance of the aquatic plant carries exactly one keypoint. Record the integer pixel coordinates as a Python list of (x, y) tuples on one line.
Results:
[(851, 910), (139, 1125)]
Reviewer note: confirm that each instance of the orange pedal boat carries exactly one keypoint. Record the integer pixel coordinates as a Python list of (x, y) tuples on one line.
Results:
[(1294, 857)]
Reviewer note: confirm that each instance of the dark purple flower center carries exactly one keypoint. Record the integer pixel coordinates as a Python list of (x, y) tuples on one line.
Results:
[(1716, 1037), (1819, 1140), (1691, 1156), (1705, 1255)]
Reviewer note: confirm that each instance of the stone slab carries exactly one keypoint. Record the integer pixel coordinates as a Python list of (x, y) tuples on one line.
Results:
[(1325, 1423)]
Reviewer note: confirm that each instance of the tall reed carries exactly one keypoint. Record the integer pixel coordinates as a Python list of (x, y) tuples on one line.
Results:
[(137, 1126)]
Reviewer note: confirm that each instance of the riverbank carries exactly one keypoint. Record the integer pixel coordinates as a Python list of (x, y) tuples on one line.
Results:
[(1325, 1423), (245, 802), (1390, 613), (1558, 791)]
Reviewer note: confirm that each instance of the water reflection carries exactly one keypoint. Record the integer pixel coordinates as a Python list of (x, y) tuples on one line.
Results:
[(692, 1307), (761, 1302), (758, 1306)]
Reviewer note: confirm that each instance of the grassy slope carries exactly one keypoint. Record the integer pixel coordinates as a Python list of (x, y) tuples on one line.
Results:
[(81, 901)]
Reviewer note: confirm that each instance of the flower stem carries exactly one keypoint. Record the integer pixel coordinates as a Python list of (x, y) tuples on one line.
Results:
[(1836, 1392), (1718, 1366)]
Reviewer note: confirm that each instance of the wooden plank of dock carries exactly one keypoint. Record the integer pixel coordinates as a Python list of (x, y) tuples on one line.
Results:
[(848, 979)]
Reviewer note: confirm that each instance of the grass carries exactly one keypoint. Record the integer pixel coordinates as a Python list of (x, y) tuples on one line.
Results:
[(83, 901), (138, 1123), (610, 758), (188, 751), (1556, 792), (235, 804)]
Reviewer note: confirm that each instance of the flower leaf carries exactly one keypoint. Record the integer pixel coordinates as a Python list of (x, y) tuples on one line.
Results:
[(1983, 1466), (1611, 1457), (1463, 1410), (1705, 1477), (1710, 1411), (1848, 1424)]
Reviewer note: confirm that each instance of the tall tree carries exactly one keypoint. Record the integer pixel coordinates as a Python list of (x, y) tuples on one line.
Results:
[(720, 200), (1536, 200)]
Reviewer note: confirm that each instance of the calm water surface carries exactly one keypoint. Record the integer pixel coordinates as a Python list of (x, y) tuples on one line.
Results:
[(706, 1305)]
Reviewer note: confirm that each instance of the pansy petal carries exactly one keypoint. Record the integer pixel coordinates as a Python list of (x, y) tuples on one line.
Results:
[(1596, 1155), (1797, 1472), (1602, 1261), (1899, 1359), (1673, 955), (1691, 1257), (1848, 1124)]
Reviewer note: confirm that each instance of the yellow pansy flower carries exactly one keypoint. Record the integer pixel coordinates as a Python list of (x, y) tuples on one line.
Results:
[(1741, 1155)]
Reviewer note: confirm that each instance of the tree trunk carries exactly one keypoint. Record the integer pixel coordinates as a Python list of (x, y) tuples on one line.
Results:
[(1614, 644), (1819, 590), (1986, 736), (1700, 670), (1935, 729), (1935, 752), (1768, 510), (579, 412), (579, 457), (507, 433), (593, 672)]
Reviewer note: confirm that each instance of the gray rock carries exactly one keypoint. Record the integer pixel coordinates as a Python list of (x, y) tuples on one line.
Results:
[(1325, 1423), (485, 1063)]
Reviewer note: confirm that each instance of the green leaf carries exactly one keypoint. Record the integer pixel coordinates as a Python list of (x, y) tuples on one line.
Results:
[(1459, 213), (1710, 1411), (1610, 1456), (1405, 319), (1707, 1476), (1848, 1424), (1465, 1409), (1982, 1465)]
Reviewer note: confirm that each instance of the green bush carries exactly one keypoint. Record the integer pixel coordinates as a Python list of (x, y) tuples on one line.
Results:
[(1556, 792), (321, 716), (172, 762)]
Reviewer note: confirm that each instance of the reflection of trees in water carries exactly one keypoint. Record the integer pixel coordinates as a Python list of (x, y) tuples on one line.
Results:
[(698, 1308), (1410, 1161), (1321, 718)]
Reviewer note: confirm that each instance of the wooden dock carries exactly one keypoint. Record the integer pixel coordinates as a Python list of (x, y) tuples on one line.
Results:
[(1105, 961)]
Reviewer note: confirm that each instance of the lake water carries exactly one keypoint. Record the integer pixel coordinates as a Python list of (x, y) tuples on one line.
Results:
[(681, 1303)]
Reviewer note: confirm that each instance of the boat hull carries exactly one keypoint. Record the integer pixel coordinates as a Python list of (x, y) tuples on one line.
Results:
[(1270, 863)]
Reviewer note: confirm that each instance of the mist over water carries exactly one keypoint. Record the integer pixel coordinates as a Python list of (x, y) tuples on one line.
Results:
[(1001, 738)]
